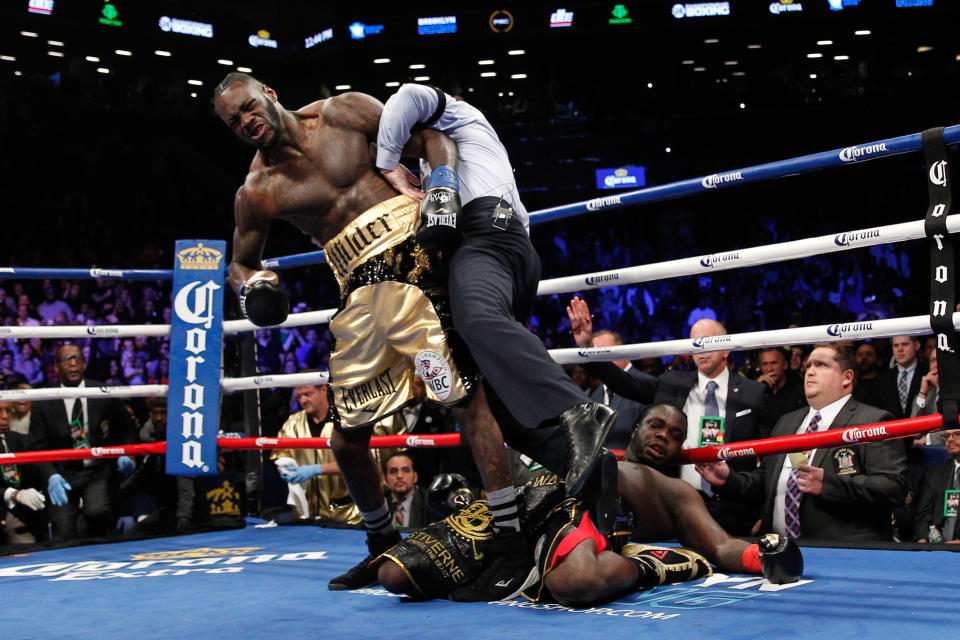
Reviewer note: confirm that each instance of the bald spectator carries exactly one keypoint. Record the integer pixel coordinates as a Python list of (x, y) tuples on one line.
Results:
[(721, 407)]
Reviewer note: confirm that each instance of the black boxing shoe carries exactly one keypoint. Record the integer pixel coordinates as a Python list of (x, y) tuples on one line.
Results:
[(586, 427), (365, 573), (511, 570), (600, 495)]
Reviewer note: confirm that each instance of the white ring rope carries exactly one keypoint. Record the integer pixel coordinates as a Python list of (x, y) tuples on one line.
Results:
[(743, 257), (913, 325), (227, 385), (737, 258), (230, 327)]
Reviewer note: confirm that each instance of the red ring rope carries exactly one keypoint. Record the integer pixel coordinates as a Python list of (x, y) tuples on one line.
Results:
[(770, 446)]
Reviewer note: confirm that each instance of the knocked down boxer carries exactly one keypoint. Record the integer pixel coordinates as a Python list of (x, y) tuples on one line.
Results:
[(577, 565)]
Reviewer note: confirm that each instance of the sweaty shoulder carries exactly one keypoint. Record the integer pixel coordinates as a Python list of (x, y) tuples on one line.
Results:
[(352, 110), (253, 199)]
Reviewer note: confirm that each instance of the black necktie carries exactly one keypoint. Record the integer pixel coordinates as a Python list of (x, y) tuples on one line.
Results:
[(76, 416)]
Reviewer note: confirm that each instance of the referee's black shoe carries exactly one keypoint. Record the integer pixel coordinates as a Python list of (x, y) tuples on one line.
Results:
[(586, 427), (364, 574)]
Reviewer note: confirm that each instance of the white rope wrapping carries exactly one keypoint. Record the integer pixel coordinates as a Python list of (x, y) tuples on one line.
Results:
[(749, 257), (91, 331), (913, 325), (230, 327), (227, 385)]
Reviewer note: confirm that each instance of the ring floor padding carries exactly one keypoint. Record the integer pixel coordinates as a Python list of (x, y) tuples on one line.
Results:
[(272, 582)]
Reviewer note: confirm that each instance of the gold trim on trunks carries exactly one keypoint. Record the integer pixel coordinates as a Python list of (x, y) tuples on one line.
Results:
[(369, 234)]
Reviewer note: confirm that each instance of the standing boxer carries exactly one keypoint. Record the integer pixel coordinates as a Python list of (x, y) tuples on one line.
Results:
[(315, 168)]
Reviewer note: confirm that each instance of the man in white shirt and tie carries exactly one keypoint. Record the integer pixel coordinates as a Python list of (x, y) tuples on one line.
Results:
[(721, 408), (406, 499), (898, 387), (844, 492)]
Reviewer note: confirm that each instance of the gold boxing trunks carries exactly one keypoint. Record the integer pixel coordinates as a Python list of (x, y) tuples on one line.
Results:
[(393, 320)]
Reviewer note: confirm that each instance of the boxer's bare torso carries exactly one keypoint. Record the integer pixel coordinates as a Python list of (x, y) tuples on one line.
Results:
[(314, 167)]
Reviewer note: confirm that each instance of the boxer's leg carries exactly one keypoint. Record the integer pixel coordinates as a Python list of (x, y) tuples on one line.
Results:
[(362, 477), (585, 576)]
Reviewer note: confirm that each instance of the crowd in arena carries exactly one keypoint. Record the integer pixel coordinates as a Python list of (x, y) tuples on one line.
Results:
[(138, 499)]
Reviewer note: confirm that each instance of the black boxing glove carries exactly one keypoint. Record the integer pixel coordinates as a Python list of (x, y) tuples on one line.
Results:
[(448, 493), (780, 558), (439, 211), (262, 301)]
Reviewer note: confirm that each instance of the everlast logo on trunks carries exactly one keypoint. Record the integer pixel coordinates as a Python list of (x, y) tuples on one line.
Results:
[(711, 181), (380, 386), (851, 154), (857, 434), (599, 203), (848, 239), (838, 330), (600, 279), (350, 244), (435, 372), (710, 261)]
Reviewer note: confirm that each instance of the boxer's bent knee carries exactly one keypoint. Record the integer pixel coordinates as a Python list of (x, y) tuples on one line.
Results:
[(393, 579)]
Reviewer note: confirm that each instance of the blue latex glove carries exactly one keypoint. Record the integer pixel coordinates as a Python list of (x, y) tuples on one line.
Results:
[(57, 488), (301, 474), (125, 524), (125, 465)]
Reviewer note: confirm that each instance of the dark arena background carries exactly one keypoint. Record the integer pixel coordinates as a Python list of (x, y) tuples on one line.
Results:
[(111, 152)]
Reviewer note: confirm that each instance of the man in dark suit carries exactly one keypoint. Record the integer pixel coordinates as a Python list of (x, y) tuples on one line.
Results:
[(622, 386), (839, 493), (406, 500), (79, 423), (21, 509), (941, 481), (897, 388), (724, 406)]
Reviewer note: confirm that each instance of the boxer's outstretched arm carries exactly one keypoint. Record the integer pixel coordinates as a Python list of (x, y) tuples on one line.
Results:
[(697, 529)]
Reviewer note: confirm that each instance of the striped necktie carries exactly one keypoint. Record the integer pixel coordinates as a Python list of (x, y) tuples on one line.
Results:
[(791, 519), (902, 389)]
